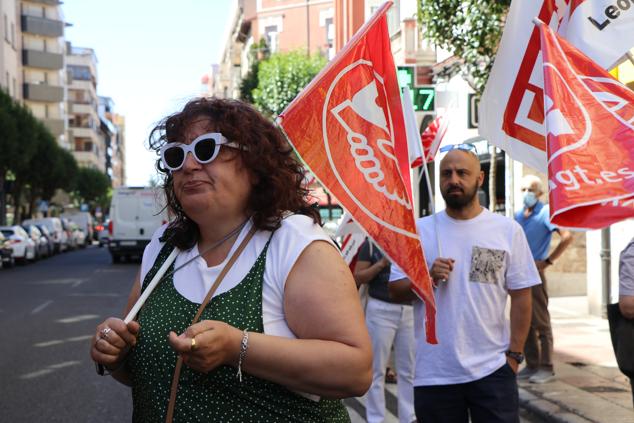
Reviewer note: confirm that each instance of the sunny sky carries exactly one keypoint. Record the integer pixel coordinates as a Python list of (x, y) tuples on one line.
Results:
[(151, 56)]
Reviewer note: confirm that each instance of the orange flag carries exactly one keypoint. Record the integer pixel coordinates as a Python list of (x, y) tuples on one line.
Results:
[(589, 119), (347, 126)]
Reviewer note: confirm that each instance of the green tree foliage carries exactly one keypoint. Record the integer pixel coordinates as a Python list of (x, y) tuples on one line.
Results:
[(258, 52), (470, 29), (282, 77), (92, 185), (8, 147), (38, 166), (249, 83)]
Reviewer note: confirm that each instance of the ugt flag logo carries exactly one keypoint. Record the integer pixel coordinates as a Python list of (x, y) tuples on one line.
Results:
[(358, 122), (347, 126), (589, 119), (512, 114)]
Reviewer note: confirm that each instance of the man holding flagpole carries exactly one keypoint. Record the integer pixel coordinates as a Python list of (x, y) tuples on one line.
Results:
[(470, 373)]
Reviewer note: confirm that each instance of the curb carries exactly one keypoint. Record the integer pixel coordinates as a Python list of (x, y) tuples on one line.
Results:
[(546, 410)]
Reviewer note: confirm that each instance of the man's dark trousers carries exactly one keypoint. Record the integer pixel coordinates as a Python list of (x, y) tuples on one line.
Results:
[(492, 399)]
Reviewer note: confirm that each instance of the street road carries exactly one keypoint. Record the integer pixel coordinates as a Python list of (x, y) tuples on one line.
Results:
[(48, 312)]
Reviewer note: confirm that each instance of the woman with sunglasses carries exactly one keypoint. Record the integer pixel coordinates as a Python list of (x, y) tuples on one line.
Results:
[(283, 335)]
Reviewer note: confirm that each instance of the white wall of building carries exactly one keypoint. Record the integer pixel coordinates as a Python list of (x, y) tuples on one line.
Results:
[(10, 56), (620, 235)]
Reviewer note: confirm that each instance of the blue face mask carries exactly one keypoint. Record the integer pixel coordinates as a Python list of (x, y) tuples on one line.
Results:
[(530, 199)]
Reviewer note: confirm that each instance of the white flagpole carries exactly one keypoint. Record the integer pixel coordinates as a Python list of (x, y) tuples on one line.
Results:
[(413, 135), (432, 207), (157, 277)]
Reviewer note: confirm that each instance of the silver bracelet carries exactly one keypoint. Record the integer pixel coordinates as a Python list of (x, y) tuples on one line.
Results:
[(243, 352)]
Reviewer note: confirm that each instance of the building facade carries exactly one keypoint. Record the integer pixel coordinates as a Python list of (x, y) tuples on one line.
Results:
[(87, 143), (10, 49), (43, 69), (118, 152), (112, 128), (284, 25)]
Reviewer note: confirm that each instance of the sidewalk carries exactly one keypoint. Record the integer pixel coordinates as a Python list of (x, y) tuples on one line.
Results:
[(588, 386)]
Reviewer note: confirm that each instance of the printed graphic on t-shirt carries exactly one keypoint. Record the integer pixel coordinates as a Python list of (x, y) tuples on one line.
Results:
[(487, 265)]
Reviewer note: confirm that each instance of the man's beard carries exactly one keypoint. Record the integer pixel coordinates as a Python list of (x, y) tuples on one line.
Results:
[(459, 202)]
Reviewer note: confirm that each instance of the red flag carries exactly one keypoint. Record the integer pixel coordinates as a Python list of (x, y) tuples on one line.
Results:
[(344, 125), (589, 119), (511, 109), (432, 137), (352, 238)]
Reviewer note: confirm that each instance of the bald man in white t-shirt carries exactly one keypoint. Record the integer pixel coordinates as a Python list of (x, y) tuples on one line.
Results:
[(471, 372)]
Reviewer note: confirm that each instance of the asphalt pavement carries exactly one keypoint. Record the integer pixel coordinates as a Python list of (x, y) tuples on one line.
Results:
[(48, 312)]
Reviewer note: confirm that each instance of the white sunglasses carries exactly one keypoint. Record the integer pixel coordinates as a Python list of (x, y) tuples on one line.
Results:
[(204, 148)]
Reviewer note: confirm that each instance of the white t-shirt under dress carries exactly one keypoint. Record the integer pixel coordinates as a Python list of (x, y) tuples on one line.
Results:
[(287, 243)]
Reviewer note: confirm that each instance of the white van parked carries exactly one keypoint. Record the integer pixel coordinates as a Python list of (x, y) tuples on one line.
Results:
[(135, 213)]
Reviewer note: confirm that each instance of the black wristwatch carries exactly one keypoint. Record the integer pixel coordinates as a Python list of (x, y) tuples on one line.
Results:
[(517, 356)]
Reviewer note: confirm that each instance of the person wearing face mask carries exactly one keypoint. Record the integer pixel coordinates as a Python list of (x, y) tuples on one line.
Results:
[(535, 220)]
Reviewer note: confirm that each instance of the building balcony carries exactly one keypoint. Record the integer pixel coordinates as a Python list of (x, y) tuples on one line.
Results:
[(80, 108), (43, 92), (80, 132), (56, 126), (42, 26), (425, 56), (78, 84), (42, 59), (89, 159), (47, 2)]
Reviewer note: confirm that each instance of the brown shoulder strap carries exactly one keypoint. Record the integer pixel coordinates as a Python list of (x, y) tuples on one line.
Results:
[(210, 293)]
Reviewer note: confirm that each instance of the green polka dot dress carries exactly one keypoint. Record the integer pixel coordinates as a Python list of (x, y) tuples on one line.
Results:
[(217, 396)]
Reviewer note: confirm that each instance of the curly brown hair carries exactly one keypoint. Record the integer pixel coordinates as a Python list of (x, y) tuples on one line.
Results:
[(279, 187)]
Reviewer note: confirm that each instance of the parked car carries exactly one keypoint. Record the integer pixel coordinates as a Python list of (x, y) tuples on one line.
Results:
[(54, 226), (135, 213), (79, 236), (50, 242), (82, 219), (41, 243), (22, 244), (6, 252), (70, 239)]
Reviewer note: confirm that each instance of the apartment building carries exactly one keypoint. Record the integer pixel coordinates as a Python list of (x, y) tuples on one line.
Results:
[(112, 128), (43, 75), (118, 152), (87, 143), (284, 24), (10, 60)]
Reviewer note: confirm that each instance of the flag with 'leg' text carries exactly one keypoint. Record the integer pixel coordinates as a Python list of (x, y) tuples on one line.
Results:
[(512, 105)]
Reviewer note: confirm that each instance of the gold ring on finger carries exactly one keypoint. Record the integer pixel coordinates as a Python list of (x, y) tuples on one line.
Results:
[(193, 346)]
